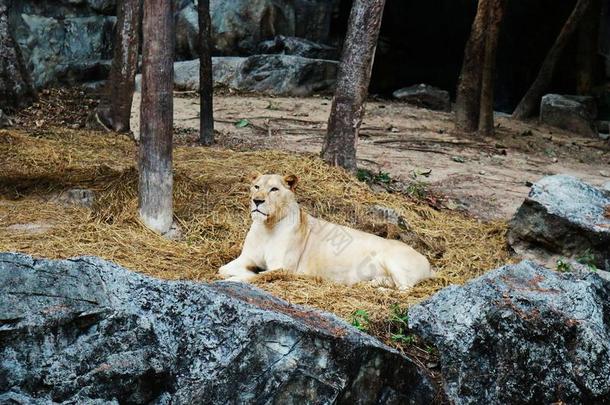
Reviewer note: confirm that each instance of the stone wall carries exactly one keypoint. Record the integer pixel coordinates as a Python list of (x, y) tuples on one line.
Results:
[(64, 39), (71, 40), (420, 42)]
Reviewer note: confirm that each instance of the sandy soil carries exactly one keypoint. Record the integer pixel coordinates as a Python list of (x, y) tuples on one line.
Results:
[(488, 177)]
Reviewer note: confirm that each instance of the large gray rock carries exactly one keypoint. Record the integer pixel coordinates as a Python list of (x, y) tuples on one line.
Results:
[(64, 40), (270, 74), (314, 19), (425, 96), (239, 25), (102, 6), (5, 121), (563, 215), (297, 46), (187, 33), (64, 47), (572, 113), (87, 331), (521, 334)]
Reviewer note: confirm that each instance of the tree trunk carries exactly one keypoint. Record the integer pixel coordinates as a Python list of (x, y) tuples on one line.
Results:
[(531, 101), (114, 111), (206, 85), (495, 17), (353, 81), (588, 41), (156, 116), (467, 104), (16, 88)]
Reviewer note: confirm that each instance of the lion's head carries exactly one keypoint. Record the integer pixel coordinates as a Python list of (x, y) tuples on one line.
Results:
[(271, 196)]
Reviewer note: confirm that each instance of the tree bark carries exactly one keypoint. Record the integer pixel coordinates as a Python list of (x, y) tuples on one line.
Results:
[(353, 81), (467, 104), (495, 18), (206, 85), (156, 179), (114, 111), (16, 87), (531, 101), (588, 43)]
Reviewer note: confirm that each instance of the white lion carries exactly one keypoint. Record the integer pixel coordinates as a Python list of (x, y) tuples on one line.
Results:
[(284, 237)]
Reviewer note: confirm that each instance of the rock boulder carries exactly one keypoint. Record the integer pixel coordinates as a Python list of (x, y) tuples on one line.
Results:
[(4, 120), (521, 334), (239, 25), (565, 216), (87, 331), (297, 46), (572, 113), (187, 33), (425, 96), (60, 46), (280, 75)]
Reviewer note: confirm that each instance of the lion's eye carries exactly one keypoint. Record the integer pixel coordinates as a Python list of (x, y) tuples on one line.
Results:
[(256, 187), (274, 189)]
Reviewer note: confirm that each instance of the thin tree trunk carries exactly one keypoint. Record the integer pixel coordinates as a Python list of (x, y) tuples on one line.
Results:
[(206, 85), (531, 101), (114, 111), (588, 41), (353, 81), (156, 179), (495, 17), (468, 100), (16, 88)]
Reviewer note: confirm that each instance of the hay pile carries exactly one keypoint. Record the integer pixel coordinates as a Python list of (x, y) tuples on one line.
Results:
[(211, 200)]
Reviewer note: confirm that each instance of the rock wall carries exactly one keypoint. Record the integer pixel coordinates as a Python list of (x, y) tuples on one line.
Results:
[(71, 40), (64, 40), (420, 42)]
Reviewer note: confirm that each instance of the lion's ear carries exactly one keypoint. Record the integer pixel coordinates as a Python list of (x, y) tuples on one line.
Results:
[(292, 181), (253, 176)]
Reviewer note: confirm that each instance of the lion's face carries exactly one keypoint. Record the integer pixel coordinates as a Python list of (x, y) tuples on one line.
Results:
[(270, 197)]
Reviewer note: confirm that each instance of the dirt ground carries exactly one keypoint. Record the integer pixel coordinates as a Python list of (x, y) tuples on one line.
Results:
[(487, 177)]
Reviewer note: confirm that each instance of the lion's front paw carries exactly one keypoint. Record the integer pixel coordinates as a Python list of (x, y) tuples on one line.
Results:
[(224, 272), (236, 279)]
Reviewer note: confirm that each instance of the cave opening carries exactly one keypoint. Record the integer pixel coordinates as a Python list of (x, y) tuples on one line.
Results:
[(423, 42)]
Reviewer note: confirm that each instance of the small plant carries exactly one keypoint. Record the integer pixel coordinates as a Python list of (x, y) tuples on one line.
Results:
[(431, 350), (563, 266), (383, 177), (399, 323), (274, 105), (370, 177), (417, 189), (364, 175), (361, 320), (587, 259)]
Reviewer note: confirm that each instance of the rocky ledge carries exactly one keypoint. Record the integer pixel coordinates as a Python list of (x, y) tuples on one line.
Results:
[(88, 331)]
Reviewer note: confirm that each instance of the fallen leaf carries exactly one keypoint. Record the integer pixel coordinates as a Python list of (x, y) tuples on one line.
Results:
[(242, 123)]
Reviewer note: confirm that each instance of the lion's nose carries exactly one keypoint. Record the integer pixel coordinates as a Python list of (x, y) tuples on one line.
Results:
[(258, 202)]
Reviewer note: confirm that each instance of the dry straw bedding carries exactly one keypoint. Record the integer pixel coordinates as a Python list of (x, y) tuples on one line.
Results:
[(211, 198)]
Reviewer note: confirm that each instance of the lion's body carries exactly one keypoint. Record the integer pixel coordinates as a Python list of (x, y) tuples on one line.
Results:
[(294, 241)]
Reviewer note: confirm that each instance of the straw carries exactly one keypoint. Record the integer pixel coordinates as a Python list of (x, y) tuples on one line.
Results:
[(211, 200)]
